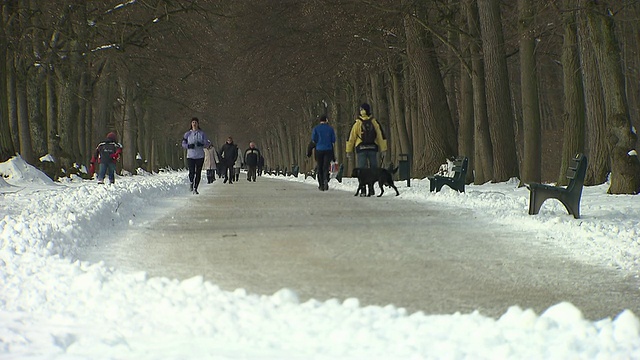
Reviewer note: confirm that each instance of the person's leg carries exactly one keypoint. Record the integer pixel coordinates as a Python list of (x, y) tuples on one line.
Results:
[(326, 163), (361, 159), (373, 159), (111, 170), (198, 173), (318, 169), (191, 164), (102, 170), (230, 173)]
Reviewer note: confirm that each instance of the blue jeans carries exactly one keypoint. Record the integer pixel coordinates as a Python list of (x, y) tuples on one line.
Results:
[(109, 168), (364, 156)]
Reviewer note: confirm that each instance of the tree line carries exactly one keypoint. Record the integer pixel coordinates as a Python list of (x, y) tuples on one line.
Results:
[(519, 86)]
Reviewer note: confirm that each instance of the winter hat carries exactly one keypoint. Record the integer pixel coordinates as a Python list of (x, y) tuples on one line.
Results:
[(111, 136), (366, 108)]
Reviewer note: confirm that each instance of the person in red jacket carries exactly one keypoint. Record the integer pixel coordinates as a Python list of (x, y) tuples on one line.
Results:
[(107, 154)]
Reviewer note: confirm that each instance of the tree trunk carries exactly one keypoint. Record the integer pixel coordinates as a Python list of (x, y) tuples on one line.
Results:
[(441, 140), (483, 152), (6, 144), (625, 165), (12, 102), (574, 116), (532, 159), (501, 119), (465, 125), (24, 132), (398, 120), (597, 148), (53, 140)]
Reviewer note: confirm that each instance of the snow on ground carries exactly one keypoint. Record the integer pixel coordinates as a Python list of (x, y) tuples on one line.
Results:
[(52, 306)]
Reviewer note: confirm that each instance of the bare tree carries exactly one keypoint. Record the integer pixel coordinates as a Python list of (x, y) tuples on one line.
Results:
[(625, 166), (531, 159)]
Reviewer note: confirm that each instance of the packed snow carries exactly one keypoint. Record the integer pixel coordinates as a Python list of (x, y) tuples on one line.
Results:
[(53, 306)]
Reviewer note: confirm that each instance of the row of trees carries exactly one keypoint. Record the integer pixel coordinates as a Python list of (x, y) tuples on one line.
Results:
[(518, 86)]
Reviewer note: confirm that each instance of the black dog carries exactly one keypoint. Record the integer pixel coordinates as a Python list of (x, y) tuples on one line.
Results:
[(368, 177)]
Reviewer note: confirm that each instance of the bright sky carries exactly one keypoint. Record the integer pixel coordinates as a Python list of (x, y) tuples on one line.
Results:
[(52, 306)]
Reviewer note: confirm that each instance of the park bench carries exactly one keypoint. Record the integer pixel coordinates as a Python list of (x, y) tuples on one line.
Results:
[(456, 182), (569, 196)]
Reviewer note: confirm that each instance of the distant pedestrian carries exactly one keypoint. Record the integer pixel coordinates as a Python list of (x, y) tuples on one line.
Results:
[(366, 138), (211, 161), (260, 165), (251, 159), (195, 140), (239, 164), (107, 154), (323, 138), (228, 156)]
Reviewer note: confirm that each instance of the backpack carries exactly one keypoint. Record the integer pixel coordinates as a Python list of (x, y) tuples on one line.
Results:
[(368, 133), (106, 150)]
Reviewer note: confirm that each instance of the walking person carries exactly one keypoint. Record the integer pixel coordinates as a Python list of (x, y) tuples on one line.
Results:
[(195, 141), (228, 157), (366, 138), (251, 159), (238, 165), (107, 154), (323, 137), (210, 163), (260, 165)]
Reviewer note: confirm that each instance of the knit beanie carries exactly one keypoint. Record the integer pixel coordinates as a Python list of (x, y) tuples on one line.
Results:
[(366, 108)]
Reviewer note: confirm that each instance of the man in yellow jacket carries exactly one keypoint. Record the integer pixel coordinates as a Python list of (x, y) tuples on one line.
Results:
[(366, 138)]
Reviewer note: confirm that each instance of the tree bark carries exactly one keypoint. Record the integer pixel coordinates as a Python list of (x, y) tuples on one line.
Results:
[(625, 165), (597, 148), (6, 144), (483, 152), (441, 140), (501, 118), (465, 105), (532, 159), (574, 116), (24, 131)]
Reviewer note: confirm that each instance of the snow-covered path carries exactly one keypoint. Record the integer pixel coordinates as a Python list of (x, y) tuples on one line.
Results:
[(275, 234)]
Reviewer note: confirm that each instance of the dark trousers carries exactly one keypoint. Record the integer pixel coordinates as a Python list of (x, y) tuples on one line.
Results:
[(211, 176), (251, 172), (229, 173), (323, 159), (195, 171)]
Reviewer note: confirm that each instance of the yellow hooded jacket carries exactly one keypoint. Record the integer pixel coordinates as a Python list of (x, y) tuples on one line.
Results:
[(355, 136)]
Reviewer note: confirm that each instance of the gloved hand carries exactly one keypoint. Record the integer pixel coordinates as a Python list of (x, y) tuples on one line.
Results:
[(191, 146)]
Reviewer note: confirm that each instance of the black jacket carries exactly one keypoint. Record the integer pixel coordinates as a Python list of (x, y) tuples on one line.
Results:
[(229, 153), (251, 156)]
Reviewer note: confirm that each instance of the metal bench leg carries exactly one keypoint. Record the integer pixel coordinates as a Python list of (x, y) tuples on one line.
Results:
[(572, 206), (535, 202)]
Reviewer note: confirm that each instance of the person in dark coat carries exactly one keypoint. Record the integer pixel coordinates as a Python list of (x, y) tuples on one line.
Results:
[(228, 155), (260, 165), (107, 154), (323, 137), (251, 159)]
